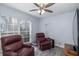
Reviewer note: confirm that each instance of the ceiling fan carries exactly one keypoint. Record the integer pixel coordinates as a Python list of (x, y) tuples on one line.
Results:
[(42, 8)]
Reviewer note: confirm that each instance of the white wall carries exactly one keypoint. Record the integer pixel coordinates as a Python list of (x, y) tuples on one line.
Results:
[(10, 12), (59, 28)]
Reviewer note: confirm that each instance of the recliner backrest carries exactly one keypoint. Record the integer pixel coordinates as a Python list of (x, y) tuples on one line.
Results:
[(13, 42), (40, 35)]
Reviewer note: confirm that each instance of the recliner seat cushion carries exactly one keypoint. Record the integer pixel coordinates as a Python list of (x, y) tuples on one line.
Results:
[(25, 51), (45, 43), (41, 40)]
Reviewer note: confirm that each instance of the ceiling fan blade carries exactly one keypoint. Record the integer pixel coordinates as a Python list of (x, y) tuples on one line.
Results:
[(49, 4), (48, 10), (34, 10), (36, 4)]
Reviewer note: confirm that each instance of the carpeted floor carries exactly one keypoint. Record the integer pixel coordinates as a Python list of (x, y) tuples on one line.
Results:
[(57, 51)]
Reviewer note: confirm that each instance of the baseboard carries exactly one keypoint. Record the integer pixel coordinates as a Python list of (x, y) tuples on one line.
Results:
[(62, 46)]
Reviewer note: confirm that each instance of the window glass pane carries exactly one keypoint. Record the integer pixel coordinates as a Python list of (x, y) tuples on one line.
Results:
[(23, 27), (10, 27), (25, 31), (27, 27), (16, 26)]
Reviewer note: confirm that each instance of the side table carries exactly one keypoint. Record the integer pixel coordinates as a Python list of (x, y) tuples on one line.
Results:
[(52, 42), (68, 50)]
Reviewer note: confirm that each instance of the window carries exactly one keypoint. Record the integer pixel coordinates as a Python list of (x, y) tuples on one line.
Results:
[(14, 26), (25, 30)]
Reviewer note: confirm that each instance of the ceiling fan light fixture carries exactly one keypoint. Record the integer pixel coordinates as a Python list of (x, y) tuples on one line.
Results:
[(41, 4), (39, 11), (42, 12)]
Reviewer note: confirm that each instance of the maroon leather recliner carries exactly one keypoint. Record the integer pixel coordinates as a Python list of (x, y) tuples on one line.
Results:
[(13, 46), (42, 42)]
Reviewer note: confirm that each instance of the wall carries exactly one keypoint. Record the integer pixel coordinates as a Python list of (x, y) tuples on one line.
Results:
[(59, 27), (10, 12)]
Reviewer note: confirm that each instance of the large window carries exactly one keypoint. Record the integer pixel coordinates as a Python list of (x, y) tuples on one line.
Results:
[(25, 31), (12, 26)]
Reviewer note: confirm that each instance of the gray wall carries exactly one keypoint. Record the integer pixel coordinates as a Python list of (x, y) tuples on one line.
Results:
[(10, 12), (59, 28)]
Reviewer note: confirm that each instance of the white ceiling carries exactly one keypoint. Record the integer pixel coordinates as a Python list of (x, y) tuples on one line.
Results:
[(56, 8)]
